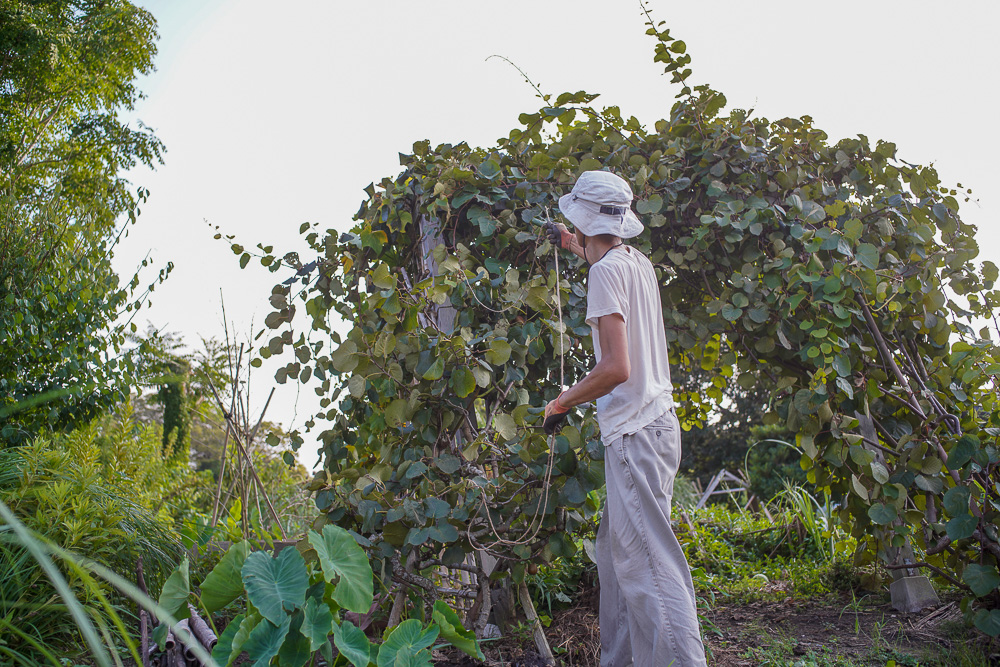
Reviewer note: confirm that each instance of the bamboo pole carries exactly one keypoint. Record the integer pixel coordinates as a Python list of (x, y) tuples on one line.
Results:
[(249, 462)]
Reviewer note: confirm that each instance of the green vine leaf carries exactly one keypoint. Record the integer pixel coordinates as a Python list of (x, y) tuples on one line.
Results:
[(882, 514), (981, 579), (225, 582)]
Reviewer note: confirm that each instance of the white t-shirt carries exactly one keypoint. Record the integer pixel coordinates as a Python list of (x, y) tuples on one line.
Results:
[(624, 282)]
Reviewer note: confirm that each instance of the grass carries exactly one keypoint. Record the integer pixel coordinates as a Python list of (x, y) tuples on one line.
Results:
[(53, 501), (96, 619)]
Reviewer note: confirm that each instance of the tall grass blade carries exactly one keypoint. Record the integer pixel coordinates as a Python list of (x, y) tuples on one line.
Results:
[(4, 623)]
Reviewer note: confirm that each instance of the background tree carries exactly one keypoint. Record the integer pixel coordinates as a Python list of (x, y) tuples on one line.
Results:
[(838, 276), (67, 72)]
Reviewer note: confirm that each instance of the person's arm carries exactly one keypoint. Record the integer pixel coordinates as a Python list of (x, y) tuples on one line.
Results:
[(612, 370)]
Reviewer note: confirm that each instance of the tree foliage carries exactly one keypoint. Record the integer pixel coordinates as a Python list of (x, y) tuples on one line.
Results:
[(67, 70), (836, 275)]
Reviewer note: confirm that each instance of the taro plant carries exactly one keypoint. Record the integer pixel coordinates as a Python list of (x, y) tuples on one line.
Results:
[(837, 275), (294, 603)]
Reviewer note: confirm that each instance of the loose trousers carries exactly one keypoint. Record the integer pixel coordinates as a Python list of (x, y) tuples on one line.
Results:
[(648, 611)]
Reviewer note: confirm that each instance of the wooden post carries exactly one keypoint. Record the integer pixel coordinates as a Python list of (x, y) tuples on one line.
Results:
[(430, 238), (541, 643)]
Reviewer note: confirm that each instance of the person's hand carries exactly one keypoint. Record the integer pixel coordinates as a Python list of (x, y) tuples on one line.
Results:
[(559, 235), (555, 414)]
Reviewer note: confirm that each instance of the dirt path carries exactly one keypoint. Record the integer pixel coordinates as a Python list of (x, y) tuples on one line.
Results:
[(832, 632)]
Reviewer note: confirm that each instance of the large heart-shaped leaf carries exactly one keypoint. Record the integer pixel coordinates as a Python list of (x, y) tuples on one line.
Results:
[(452, 630), (409, 634), (982, 579), (243, 635), (341, 557), (956, 501), (222, 652), (352, 643), (317, 623), (409, 656), (266, 639), (275, 585), (988, 620), (961, 527), (296, 650), (882, 514), (225, 582), (174, 595)]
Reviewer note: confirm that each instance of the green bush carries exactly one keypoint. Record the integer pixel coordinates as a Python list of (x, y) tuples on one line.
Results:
[(105, 492), (822, 270), (685, 493), (750, 556)]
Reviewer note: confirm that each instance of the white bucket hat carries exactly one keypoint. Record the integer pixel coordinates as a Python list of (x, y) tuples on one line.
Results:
[(601, 203)]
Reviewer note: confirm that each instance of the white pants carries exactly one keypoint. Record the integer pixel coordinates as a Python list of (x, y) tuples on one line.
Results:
[(648, 612)]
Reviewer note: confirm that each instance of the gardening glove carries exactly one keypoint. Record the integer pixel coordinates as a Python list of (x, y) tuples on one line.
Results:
[(555, 414), (558, 234)]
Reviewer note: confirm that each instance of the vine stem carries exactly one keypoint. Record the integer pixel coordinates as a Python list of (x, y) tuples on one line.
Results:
[(890, 362), (530, 533), (246, 454)]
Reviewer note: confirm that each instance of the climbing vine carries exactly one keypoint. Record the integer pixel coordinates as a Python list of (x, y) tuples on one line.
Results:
[(837, 275)]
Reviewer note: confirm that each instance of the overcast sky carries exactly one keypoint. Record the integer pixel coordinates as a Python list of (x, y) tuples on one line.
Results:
[(275, 114)]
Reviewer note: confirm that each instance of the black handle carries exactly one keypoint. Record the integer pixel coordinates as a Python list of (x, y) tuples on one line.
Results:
[(553, 234), (552, 422)]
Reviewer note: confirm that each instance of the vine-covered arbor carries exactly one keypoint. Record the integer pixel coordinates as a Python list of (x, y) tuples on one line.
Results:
[(837, 275)]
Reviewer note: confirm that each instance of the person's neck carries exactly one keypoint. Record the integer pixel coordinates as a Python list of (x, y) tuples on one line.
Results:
[(598, 246)]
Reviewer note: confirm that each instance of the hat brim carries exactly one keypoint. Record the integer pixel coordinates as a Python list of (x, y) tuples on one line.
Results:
[(593, 223)]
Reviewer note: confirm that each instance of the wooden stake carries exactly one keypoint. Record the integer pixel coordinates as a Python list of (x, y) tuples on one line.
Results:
[(541, 643)]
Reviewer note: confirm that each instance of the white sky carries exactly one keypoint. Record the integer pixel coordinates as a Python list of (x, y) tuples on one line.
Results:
[(275, 114)]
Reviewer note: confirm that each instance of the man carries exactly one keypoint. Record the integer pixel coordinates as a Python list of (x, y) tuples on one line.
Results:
[(648, 615)]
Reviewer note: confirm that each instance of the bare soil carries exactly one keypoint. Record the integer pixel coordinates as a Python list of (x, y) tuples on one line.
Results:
[(826, 632)]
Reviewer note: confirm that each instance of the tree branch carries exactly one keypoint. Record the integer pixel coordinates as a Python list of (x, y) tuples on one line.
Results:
[(939, 571)]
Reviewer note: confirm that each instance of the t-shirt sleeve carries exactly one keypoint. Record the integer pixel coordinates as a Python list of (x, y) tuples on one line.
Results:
[(605, 294)]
